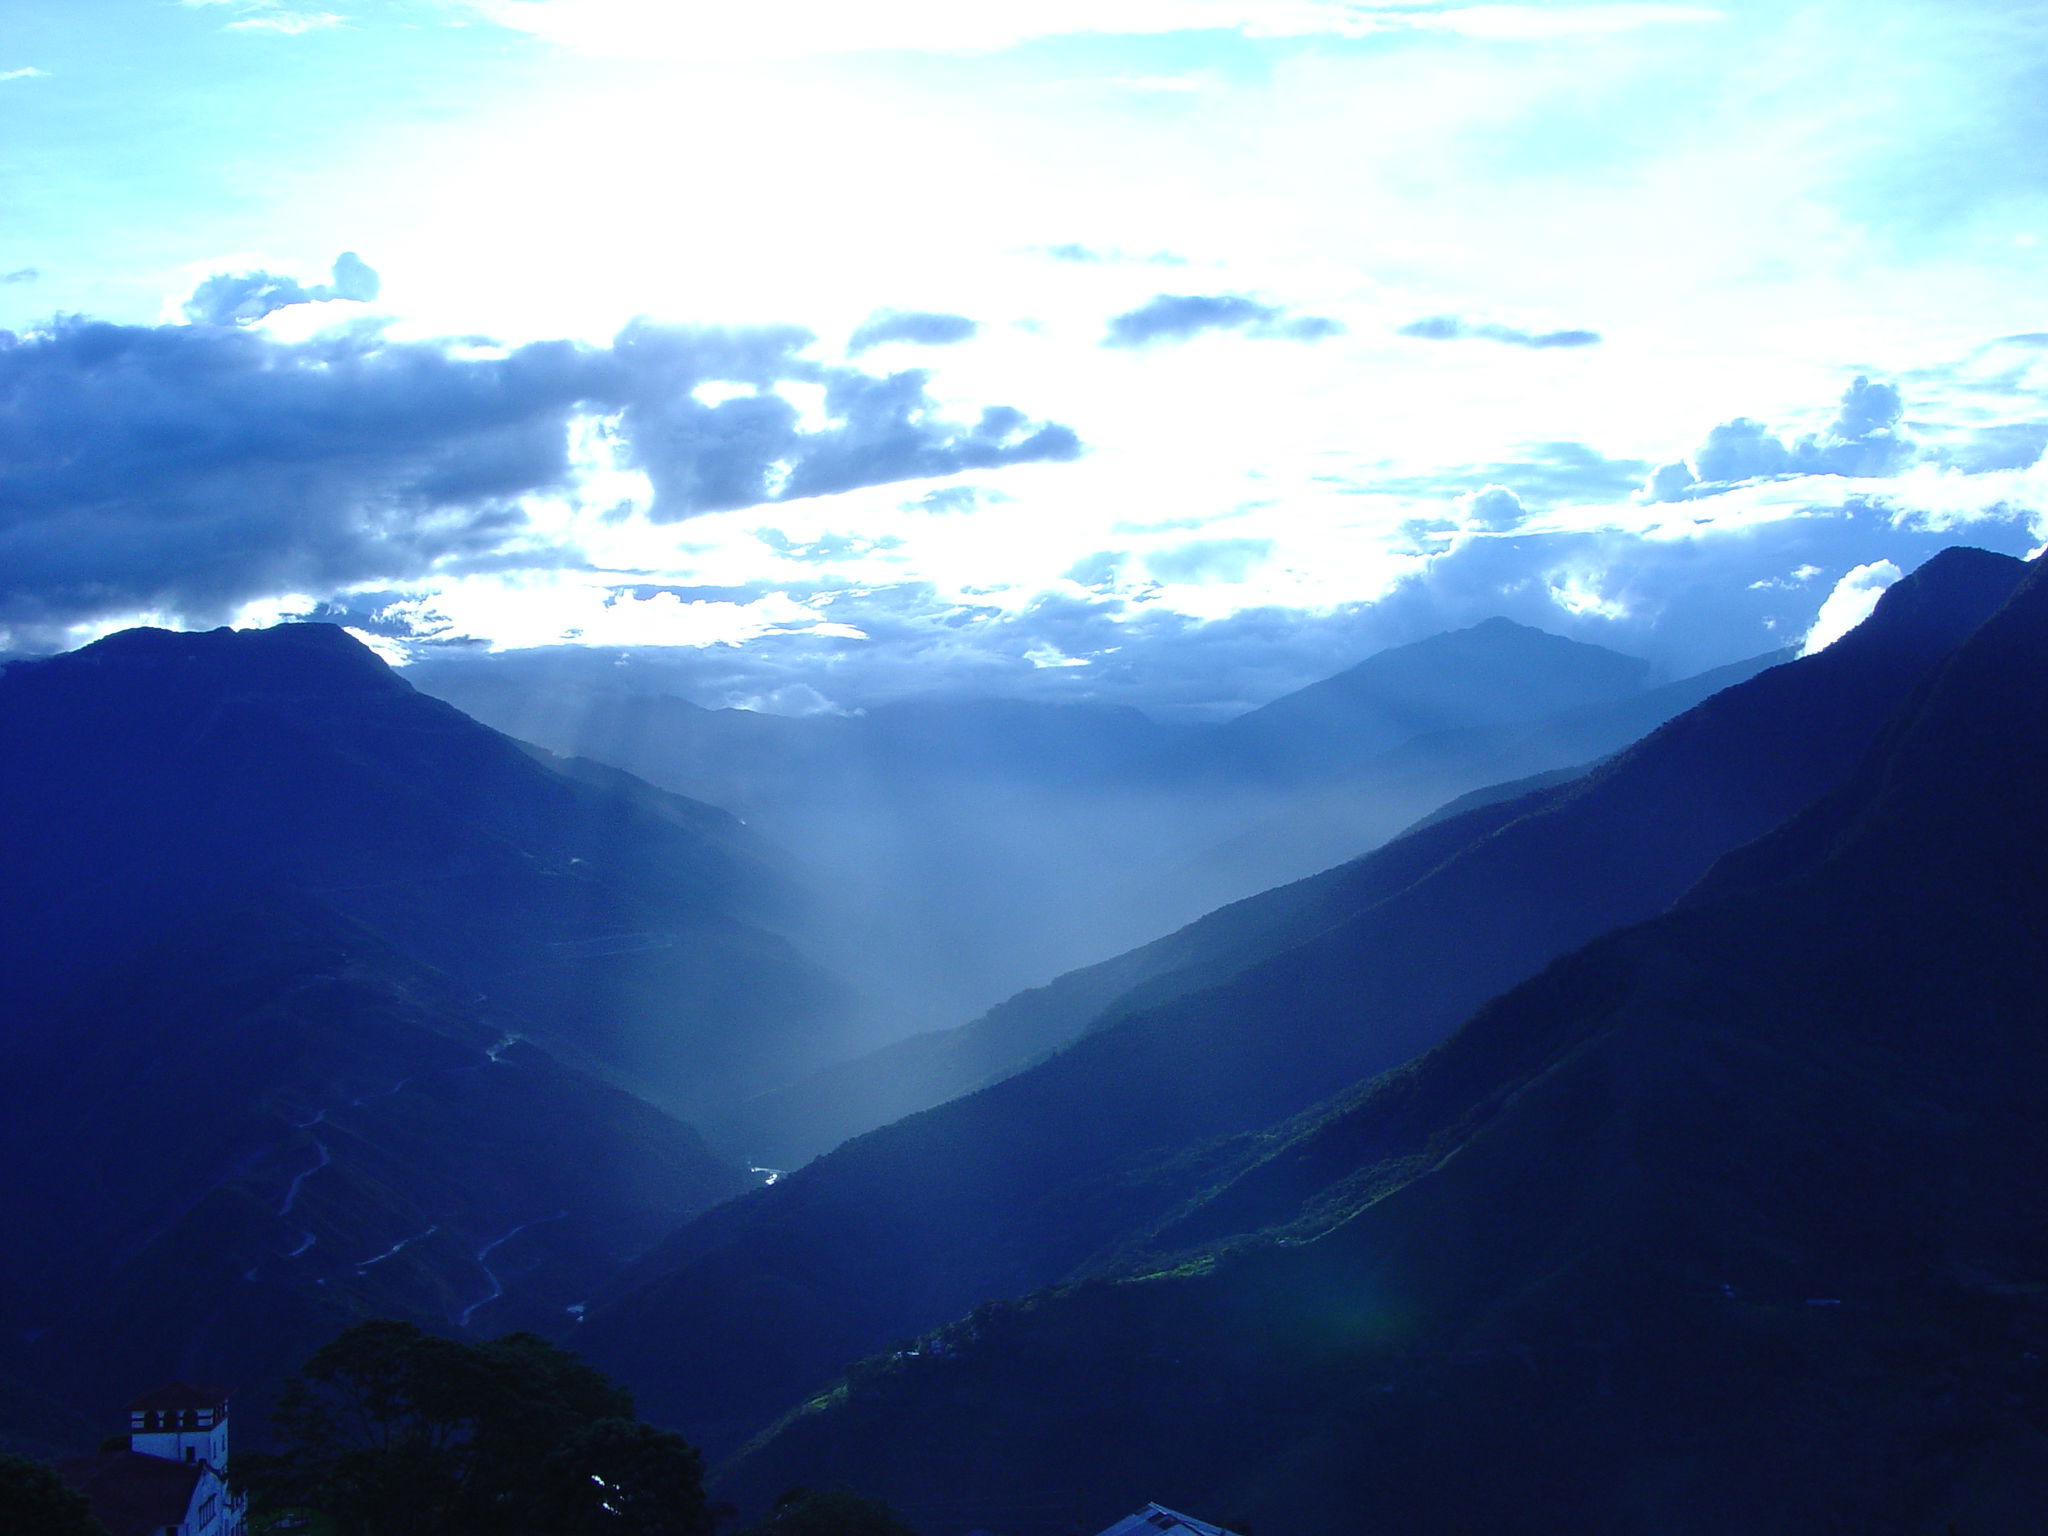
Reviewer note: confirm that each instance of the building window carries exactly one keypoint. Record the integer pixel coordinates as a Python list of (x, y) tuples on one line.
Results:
[(191, 1453)]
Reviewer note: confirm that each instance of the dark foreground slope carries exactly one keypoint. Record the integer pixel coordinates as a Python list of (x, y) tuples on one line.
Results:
[(232, 1143), (1057, 1171), (315, 997), (1733, 1221), (153, 775)]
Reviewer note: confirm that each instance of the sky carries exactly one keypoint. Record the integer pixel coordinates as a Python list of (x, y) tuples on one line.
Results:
[(1162, 352)]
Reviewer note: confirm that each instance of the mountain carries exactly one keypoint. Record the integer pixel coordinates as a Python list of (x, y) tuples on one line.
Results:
[(234, 1141), (152, 775), (319, 999), (941, 840), (1317, 829), (964, 848), (842, 1099), (1061, 1169), (1493, 673), (1362, 805), (1732, 1220)]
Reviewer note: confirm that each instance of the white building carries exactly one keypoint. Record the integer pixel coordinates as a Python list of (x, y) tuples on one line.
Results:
[(172, 1479), (1158, 1520)]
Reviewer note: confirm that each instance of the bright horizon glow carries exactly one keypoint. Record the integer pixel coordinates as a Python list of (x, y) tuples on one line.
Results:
[(1405, 204)]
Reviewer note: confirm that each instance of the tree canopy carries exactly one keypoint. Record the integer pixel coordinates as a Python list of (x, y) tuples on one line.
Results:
[(829, 1512), (390, 1431), (35, 1501)]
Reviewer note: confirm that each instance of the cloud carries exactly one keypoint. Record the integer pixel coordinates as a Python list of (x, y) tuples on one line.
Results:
[(29, 72), (771, 29), (959, 498), (1690, 595), (1692, 599), (355, 278), (751, 449), (1456, 328), (2008, 445), (1182, 316), (21, 275), (915, 326), (1865, 440), (1543, 474), (242, 298), (1208, 560), (1076, 254), (1100, 569), (287, 23), (828, 549), (187, 470), (1851, 602), (1492, 509)]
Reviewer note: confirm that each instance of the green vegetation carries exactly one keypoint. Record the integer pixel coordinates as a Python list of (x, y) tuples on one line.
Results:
[(833, 1512), (34, 1501), (390, 1431)]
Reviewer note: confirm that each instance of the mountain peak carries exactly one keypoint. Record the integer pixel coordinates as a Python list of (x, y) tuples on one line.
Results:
[(318, 657), (1941, 600)]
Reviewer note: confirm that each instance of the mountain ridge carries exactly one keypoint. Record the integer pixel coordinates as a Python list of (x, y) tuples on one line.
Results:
[(1729, 1220), (1043, 1175)]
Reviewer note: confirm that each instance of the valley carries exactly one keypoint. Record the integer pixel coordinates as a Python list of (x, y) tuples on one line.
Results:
[(1619, 1083)]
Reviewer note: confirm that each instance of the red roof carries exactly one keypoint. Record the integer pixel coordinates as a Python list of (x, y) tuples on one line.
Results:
[(178, 1395), (132, 1494)]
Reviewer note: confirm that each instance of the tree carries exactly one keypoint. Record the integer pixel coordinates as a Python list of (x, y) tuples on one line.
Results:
[(390, 1431), (35, 1501), (831, 1512)]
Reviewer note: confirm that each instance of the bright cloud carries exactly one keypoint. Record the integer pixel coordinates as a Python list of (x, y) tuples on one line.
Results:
[(1850, 603), (793, 28)]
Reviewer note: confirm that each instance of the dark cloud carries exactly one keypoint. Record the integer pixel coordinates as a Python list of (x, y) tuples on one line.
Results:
[(1181, 316), (886, 429), (1456, 328), (1864, 440), (916, 326), (751, 448), (21, 275), (189, 469), (242, 298)]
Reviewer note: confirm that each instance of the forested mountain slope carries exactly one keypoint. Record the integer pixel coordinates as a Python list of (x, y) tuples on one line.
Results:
[(1730, 1221), (152, 775), (1063, 1167)]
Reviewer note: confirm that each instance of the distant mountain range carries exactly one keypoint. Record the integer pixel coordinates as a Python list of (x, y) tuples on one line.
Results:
[(1731, 1220), (1209, 1038), (1646, 1137), (960, 849)]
